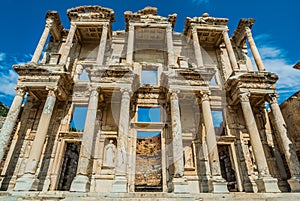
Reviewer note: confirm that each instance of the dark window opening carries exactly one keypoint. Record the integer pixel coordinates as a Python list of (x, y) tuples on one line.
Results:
[(69, 166)]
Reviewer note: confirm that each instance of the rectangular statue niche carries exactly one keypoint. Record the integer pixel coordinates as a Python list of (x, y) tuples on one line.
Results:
[(69, 166), (148, 171)]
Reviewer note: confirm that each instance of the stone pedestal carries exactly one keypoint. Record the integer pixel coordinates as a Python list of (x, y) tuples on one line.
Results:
[(81, 183), (120, 184), (294, 183), (27, 182), (218, 185), (180, 185), (267, 185)]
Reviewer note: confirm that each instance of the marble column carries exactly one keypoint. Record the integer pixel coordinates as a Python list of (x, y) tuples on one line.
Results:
[(170, 47), (287, 145), (254, 50), (39, 49), (217, 183), (265, 183), (230, 51), (102, 45), (66, 47), (197, 48), (29, 180), (10, 121), (179, 182), (121, 182), (81, 182), (130, 44)]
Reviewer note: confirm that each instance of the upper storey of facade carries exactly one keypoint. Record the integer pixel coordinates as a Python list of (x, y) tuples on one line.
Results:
[(203, 54)]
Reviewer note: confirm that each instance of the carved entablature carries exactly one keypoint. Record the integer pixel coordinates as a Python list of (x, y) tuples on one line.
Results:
[(257, 83), (91, 13), (112, 75), (57, 26), (148, 15), (238, 36), (204, 21)]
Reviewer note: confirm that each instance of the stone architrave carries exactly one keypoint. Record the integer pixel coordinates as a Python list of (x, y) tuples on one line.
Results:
[(109, 155), (265, 183), (39, 49), (65, 49), (230, 51), (102, 45), (120, 183), (10, 121), (254, 50), (130, 45), (197, 48), (81, 182), (29, 180), (170, 47), (218, 184), (288, 147)]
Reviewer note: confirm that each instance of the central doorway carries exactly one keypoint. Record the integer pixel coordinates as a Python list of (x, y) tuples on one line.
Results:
[(148, 171)]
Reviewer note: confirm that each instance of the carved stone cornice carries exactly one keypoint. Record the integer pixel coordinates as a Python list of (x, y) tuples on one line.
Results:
[(148, 15), (91, 13), (238, 36)]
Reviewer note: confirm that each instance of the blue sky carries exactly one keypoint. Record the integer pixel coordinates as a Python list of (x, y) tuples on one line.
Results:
[(276, 30)]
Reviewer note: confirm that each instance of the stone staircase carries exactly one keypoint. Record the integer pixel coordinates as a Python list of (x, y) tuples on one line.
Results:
[(76, 196)]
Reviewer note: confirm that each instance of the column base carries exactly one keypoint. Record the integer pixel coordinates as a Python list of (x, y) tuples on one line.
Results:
[(81, 183), (120, 185), (294, 183), (27, 182), (218, 185), (180, 185), (267, 185)]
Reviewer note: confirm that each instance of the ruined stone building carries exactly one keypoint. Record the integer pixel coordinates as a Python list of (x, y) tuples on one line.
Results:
[(166, 112)]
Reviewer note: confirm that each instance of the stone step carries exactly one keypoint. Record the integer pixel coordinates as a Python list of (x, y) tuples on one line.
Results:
[(76, 196)]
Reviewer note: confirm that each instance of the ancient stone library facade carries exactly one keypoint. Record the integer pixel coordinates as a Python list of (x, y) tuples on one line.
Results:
[(164, 115)]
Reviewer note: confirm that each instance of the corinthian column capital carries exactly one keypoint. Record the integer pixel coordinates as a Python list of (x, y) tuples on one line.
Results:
[(204, 95), (272, 98), (244, 97)]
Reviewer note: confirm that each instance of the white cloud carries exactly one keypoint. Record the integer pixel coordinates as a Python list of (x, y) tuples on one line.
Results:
[(8, 82), (275, 60), (2, 56)]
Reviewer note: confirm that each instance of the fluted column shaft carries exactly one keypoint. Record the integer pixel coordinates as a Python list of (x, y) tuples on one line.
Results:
[(130, 45), (197, 48), (230, 51), (39, 49), (121, 167), (177, 135), (10, 121), (170, 46), (254, 50), (255, 140), (88, 136), (42, 130), (101, 50), (65, 49), (210, 136), (288, 147)]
